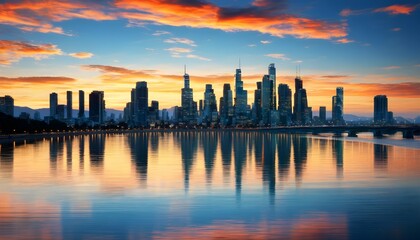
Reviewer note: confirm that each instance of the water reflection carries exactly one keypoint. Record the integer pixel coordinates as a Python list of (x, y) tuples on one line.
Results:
[(6, 159), (188, 143), (96, 152), (226, 150), (300, 153), (284, 149), (239, 155), (208, 142), (337, 148), (380, 155), (138, 144)]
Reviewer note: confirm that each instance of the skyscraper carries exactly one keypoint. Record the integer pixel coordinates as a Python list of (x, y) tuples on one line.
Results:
[(337, 106), (60, 112), (226, 105), (266, 99), (188, 113), (257, 104), (241, 99), (141, 103), (53, 104), (285, 104), (97, 107), (300, 103), (81, 104), (7, 105), (69, 105), (210, 104), (380, 108), (272, 77), (323, 114)]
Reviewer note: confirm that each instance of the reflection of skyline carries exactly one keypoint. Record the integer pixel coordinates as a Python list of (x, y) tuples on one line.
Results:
[(209, 144), (380, 157), (82, 153), (226, 150), (6, 159), (69, 151), (239, 155), (269, 161), (138, 144), (96, 151), (338, 151), (56, 152), (189, 146), (284, 148), (300, 153)]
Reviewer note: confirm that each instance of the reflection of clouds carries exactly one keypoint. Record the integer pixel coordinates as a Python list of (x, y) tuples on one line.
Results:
[(34, 220), (316, 226)]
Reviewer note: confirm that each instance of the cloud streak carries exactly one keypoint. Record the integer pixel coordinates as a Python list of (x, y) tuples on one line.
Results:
[(81, 55), (13, 51), (396, 9)]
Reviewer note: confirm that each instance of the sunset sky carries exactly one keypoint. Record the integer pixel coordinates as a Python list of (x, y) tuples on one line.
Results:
[(367, 47)]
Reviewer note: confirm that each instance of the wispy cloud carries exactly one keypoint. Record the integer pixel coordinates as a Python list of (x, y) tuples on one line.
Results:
[(182, 41), (13, 51), (265, 42), (278, 56), (344, 40), (395, 9), (160, 33), (81, 55), (198, 57), (391, 67)]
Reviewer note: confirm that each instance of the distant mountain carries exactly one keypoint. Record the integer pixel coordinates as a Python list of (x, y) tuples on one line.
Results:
[(417, 119), (354, 118), (44, 112)]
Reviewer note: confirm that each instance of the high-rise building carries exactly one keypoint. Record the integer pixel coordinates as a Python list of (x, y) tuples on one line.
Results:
[(188, 113), (226, 105), (97, 107), (285, 104), (257, 104), (266, 99), (53, 104), (210, 104), (7, 105), (337, 106), (60, 112), (241, 99), (141, 103), (153, 116), (272, 77), (380, 108), (300, 103), (69, 105), (323, 114), (81, 104)]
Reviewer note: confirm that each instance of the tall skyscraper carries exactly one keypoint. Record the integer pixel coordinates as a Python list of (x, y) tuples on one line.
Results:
[(323, 114), (241, 99), (257, 104), (272, 77), (53, 104), (141, 103), (300, 103), (81, 104), (285, 104), (380, 108), (266, 99), (60, 112), (7, 105), (69, 105), (188, 113), (97, 107), (226, 105), (210, 104), (338, 106)]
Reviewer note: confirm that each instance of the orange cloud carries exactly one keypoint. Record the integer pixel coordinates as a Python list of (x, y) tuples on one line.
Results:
[(259, 17), (13, 51), (396, 9), (37, 15), (344, 40), (81, 55)]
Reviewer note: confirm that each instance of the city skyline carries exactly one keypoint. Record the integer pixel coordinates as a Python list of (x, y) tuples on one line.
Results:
[(72, 50)]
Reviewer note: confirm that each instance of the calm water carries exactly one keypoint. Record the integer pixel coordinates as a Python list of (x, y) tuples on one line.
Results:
[(209, 185)]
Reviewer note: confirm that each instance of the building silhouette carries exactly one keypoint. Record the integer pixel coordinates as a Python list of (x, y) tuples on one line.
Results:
[(81, 104), (53, 104), (266, 103), (256, 109), (210, 105), (301, 113), (323, 114), (69, 105), (141, 103), (241, 99), (285, 104), (7, 105), (337, 106), (226, 106), (97, 107), (59, 115), (272, 77), (189, 114), (380, 108)]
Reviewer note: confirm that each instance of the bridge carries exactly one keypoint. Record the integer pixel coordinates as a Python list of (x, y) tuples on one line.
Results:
[(408, 131)]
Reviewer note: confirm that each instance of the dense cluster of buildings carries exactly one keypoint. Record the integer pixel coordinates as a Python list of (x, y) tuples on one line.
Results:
[(272, 106)]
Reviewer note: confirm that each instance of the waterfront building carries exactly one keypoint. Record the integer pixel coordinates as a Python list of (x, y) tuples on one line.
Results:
[(380, 108), (337, 106), (266, 99), (188, 112), (81, 113), (97, 107), (241, 99), (141, 103), (323, 114), (285, 104), (53, 104), (257, 104), (7, 105)]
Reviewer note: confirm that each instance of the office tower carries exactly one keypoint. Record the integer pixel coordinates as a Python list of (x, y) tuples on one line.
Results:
[(390, 118), (241, 99), (97, 107), (188, 113), (380, 108), (272, 77), (323, 114), (69, 105), (210, 105), (81, 104), (141, 103), (337, 106), (153, 115), (257, 104), (7, 105), (53, 104), (266, 99), (60, 112), (300, 102), (226, 105), (285, 104)]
